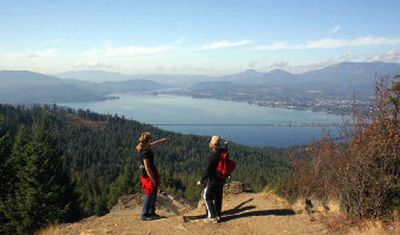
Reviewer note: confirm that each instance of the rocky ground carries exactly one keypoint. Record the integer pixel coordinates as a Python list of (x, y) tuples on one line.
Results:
[(243, 213)]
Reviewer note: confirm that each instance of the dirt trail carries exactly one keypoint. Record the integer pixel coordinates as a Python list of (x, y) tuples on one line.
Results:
[(244, 213)]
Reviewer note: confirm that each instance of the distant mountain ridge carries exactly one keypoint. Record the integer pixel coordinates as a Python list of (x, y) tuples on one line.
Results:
[(353, 70), (339, 80), (336, 80), (25, 87), (348, 77), (105, 76), (340, 71), (252, 77), (15, 77), (330, 72), (94, 76)]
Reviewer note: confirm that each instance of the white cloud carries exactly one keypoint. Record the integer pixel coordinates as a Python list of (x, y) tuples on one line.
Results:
[(21, 55), (44, 53), (92, 64), (253, 63), (225, 44), (272, 47), (389, 56), (280, 64), (329, 43), (186, 69), (129, 51), (301, 68), (336, 29)]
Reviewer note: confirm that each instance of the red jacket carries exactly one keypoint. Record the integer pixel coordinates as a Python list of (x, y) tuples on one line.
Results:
[(147, 183)]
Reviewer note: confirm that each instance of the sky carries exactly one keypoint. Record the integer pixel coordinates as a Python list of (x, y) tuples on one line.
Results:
[(211, 37)]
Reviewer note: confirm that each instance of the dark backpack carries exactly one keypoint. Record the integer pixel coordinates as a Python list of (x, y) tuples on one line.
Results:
[(225, 166)]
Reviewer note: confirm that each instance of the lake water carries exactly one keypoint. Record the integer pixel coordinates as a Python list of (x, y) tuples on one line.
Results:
[(238, 122)]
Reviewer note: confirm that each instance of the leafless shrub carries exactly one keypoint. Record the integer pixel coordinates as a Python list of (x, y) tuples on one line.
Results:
[(363, 172)]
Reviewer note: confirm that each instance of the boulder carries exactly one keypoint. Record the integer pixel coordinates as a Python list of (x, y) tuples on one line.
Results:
[(234, 187)]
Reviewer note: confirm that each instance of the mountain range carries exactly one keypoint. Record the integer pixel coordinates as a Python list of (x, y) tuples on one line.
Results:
[(103, 76), (339, 80), (25, 87)]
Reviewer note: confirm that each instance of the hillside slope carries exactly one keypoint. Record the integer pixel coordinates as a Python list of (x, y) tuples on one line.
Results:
[(100, 157), (25, 87)]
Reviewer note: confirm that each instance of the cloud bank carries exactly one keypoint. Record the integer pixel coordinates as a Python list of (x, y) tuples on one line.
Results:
[(225, 44), (328, 43)]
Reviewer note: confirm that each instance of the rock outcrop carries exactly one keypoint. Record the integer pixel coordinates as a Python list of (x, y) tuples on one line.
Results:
[(235, 187)]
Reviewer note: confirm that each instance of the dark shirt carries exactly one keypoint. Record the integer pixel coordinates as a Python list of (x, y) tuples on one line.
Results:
[(211, 173), (147, 154)]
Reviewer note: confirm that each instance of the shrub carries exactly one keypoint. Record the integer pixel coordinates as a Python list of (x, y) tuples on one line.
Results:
[(362, 173)]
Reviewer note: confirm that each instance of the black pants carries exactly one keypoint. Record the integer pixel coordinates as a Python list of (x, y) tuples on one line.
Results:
[(213, 197)]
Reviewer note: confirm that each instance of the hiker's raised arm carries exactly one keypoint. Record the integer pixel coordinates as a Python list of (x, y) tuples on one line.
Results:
[(158, 142)]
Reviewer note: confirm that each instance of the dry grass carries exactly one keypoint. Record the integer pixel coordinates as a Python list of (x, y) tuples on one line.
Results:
[(86, 122), (328, 214), (271, 195), (49, 230), (337, 221), (376, 228), (317, 206), (334, 206)]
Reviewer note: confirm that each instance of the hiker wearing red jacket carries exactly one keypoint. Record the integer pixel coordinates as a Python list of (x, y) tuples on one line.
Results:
[(150, 178), (213, 182)]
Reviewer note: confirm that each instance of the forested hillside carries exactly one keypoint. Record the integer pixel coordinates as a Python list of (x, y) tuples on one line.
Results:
[(97, 152)]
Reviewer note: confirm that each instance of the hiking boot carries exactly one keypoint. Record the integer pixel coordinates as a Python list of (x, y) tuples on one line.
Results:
[(211, 221), (156, 216), (146, 218)]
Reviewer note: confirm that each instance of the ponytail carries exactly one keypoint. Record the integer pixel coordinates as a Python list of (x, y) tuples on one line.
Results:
[(143, 140), (139, 147)]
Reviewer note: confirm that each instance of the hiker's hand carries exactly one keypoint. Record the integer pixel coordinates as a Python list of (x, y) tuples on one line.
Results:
[(165, 140), (198, 183)]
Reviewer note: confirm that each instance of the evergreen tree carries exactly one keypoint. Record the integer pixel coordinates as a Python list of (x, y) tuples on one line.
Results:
[(13, 166), (43, 186), (4, 173), (121, 186), (18, 158), (4, 155)]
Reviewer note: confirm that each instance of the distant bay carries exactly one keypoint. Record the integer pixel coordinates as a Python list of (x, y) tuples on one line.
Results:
[(238, 122)]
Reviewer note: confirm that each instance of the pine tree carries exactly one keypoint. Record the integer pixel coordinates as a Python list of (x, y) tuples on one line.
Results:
[(18, 158), (4, 155), (123, 185), (44, 187), (4, 173)]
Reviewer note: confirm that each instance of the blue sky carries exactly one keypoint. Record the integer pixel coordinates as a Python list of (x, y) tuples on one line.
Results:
[(201, 37)]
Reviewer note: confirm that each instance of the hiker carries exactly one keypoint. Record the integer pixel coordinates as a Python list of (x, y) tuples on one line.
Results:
[(213, 182), (150, 178)]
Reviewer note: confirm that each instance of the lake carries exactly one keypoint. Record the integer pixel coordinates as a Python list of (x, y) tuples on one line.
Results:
[(238, 122)]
